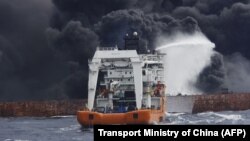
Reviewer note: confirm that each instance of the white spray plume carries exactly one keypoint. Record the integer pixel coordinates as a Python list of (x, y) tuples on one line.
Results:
[(186, 56)]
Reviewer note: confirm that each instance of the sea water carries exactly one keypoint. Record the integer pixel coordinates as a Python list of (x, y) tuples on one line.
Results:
[(66, 128)]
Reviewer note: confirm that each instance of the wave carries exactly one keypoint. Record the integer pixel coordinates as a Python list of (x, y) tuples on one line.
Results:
[(225, 117)]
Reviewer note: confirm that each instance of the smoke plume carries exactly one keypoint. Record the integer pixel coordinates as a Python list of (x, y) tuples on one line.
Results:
[(45, 44), (238, 75), (212, 78)]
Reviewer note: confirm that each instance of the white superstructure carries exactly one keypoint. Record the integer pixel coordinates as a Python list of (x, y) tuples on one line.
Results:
[(123, 74)]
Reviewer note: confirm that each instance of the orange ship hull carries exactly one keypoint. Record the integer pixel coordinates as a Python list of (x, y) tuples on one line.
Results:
[(145, 116)]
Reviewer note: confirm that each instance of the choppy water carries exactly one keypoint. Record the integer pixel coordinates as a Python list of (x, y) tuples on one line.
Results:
[(67, 128)]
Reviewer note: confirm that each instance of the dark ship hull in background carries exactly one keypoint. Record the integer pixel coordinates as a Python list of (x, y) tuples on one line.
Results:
[(194, 104)]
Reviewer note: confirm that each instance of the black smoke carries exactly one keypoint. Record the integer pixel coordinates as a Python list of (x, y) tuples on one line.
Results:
[(45, 44), (74, 45), (211, 79), (238, 78), (149, 26), (225, 22), (27, 67)]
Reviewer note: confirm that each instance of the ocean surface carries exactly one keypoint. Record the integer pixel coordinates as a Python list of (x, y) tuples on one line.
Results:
[(66, 128)]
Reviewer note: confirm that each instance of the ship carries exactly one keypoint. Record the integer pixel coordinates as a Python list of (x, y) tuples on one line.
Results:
[(125, 86)]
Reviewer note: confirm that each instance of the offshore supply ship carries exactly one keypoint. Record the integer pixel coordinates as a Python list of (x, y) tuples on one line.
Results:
[(125, 86)]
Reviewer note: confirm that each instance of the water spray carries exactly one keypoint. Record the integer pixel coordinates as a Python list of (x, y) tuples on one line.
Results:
[(187, 55)]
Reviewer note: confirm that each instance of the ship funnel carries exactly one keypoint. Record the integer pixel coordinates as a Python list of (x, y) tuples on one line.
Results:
[(132, 43)]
